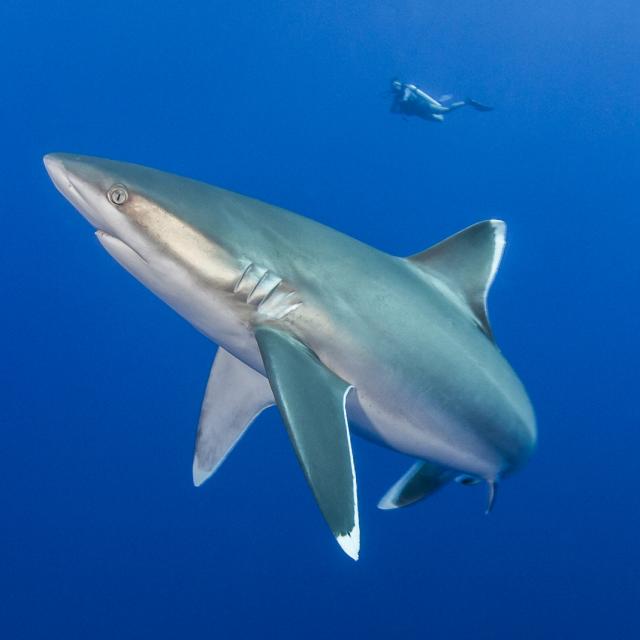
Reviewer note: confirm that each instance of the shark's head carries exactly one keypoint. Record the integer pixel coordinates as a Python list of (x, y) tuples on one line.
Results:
[(135, 204), (144, 208), (172, 233)]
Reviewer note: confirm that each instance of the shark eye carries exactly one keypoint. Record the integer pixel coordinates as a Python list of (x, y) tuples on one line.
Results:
[(118, 194)]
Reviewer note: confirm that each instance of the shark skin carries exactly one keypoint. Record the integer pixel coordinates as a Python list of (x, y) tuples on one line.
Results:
[(398, 350)]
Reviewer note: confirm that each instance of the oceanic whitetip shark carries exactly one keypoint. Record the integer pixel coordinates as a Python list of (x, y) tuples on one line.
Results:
[(332, 331)]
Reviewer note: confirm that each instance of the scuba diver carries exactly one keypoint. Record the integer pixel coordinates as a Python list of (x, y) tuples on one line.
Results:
[(411, 101)]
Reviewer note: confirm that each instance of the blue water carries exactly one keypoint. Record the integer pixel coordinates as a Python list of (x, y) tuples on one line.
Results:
[(102, 534)]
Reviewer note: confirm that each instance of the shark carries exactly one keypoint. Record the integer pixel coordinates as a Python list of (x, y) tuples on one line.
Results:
[(340, 336)]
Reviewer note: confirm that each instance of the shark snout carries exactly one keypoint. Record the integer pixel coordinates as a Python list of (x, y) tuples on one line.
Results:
[(60, 168), (75, 178), (55, 168), (60, 175), (66, 173)]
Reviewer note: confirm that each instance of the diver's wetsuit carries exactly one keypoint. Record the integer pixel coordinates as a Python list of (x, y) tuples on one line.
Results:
[(411, 101)]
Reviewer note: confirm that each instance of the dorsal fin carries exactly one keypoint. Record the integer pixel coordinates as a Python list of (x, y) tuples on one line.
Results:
[(467, 263)]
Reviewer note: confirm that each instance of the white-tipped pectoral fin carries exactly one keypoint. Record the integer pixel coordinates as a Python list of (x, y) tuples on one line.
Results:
[(235, 396), (312, 402), (350, 542)]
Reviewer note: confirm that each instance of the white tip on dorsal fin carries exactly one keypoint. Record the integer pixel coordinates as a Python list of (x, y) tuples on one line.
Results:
[(467, 263)]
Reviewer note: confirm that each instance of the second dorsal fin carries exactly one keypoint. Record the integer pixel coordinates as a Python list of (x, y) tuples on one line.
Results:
[(467, 263)]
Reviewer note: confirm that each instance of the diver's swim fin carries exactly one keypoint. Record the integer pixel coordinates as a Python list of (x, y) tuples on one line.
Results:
[(422, 479), (478, 106), (311, 399)]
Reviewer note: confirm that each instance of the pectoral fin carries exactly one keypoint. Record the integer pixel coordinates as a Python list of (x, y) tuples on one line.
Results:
[(422, 479), (311, 399), (235, 395)]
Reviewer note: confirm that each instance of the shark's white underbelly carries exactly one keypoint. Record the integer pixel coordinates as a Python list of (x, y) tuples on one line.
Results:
[(424, 436)]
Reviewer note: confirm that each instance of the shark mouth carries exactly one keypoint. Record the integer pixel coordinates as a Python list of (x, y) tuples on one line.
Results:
[(123, 253)]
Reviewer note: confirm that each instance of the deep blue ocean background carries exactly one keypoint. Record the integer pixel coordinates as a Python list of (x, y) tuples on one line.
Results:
[(102, 534)]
